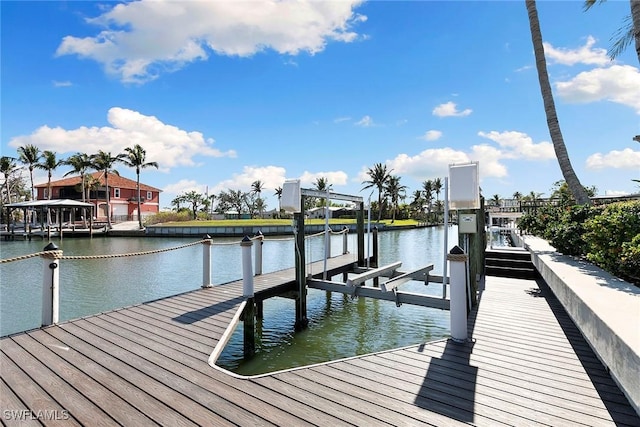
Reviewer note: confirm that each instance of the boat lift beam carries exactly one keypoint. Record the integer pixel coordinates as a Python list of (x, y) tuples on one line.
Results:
[(421, 274), (373, 273), (370, 292)]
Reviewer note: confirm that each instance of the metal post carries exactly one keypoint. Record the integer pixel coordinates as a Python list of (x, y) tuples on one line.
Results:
[(369, 230), (360, 229), (301, 275), (458, 304), (327, 238), (50, 284), (258, 253), (375, 254), (247, 270), (446, 236), (206, 261), (345, 236)]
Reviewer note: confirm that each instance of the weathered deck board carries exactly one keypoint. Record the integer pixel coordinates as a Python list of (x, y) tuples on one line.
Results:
[(147, 365)]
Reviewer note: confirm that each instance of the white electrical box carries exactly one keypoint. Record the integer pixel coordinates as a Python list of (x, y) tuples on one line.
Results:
[(290, 201), (464, 186), (467, 224)]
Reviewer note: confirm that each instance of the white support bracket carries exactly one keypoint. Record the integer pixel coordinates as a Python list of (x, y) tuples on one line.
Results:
[(419, 274)]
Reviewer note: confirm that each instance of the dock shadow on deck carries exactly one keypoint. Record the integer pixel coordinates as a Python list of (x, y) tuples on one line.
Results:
[(527, 364)]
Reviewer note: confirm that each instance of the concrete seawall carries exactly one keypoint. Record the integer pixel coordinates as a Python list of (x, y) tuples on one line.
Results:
[(605, 309)]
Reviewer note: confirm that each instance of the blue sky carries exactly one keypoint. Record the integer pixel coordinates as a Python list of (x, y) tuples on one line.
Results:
[(221, 94)]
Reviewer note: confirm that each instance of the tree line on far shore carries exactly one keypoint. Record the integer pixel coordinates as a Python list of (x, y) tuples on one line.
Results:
[(15, 189)]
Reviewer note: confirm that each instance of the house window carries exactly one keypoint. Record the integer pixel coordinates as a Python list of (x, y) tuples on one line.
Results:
[(116, 193), (45, 193), (149, 195)]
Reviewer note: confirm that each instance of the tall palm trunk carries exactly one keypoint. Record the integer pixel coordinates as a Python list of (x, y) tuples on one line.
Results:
[(106, 184), (568, 173)]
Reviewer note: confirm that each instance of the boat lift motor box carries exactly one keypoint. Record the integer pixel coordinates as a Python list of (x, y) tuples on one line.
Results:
[(467, 224), (291, 196)]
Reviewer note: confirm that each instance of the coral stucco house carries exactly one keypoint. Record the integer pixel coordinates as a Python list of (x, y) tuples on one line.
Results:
[(123, 195)]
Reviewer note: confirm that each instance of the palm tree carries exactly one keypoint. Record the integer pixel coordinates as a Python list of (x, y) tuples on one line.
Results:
[(7, 167), (278, 193), (256, 188), (30, 155), (379, 176), (91, 183), (49, 163), (135, 157), (550, 109), (625, 35), (437, 187), (496, 200), (518, 197), (322, 185), (104, 163), (80, 162), (395, 191), (427, 188)]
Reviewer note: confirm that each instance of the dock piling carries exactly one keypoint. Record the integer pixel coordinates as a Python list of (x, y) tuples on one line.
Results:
[(458, 305), (258, 253), (51, 284), (207, 243), (248, 291)]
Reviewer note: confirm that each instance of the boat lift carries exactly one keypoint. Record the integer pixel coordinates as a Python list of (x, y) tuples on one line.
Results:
[(293, 201)]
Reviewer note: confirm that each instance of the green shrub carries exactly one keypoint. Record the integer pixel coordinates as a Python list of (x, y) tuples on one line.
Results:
[(536, 223), (630, 260), (565, 233), (607, 233), (161, 217)]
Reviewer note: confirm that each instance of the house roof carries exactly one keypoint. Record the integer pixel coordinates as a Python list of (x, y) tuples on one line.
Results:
[(114, 181)]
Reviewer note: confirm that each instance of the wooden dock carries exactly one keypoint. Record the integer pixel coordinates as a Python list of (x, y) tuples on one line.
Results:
[(527, 364)]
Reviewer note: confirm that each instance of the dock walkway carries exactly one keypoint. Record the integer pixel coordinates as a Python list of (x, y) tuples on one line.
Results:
[(527, 364)]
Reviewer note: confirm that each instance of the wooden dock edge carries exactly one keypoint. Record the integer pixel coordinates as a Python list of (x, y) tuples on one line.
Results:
[(602, 307)]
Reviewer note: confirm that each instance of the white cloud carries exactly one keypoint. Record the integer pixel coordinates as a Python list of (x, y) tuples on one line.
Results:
[(183, 186), (450, 109), (583, 55), (618, 83), (431, 135), (625, 159), (271, 176), (165, 144), (143, 38), (429, 163), (489, 159), (365, 122), (334, 177), (517, 145), (341, 119)]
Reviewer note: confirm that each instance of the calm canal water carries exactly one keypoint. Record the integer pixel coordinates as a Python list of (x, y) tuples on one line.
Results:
[(339, 326)]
